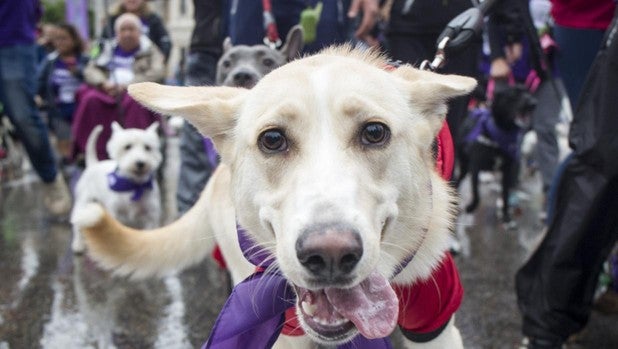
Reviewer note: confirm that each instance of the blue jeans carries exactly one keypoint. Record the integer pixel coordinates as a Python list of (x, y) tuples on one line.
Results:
[(578, 48), (17, 90), (246, 26)]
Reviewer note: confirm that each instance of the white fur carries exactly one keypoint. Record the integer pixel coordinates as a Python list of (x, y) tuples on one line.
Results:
[(87, 216), (390, 194), (126, 148)]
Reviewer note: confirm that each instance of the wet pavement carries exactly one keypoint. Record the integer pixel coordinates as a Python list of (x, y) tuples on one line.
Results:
[(52, 299)]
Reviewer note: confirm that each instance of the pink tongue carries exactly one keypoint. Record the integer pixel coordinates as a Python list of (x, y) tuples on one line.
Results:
[(372, 305)]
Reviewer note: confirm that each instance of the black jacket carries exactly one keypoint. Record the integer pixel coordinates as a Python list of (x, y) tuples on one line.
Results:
[(424, 16), (209, 30)]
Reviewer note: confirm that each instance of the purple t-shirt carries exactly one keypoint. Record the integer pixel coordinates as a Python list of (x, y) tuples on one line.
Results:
[(64, 83), (121, 66), (17, 21)]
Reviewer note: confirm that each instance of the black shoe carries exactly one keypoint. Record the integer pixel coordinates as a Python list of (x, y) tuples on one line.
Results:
[(539, 343)]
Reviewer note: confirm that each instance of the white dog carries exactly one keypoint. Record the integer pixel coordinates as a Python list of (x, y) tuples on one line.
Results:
[(327, 164), (125, 184)]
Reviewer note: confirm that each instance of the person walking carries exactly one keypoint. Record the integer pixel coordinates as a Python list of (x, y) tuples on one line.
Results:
[(205, 49), (555, 287), (17, 90)]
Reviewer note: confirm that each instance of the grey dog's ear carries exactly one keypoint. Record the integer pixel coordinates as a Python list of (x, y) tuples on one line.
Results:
[(294, 43), (227, 44), (430, 91), (212, 110)]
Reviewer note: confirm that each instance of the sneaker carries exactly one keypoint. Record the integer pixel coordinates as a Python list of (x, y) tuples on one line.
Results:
[(57, 198), (538, 343)]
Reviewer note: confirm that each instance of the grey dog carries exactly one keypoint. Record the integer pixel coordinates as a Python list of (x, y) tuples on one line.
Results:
[(239, 66), (244, 66)]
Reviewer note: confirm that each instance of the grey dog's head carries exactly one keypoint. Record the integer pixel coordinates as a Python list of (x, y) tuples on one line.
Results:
[(244, 66)]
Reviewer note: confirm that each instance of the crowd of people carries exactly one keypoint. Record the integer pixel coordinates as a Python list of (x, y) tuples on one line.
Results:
[(556, 48)]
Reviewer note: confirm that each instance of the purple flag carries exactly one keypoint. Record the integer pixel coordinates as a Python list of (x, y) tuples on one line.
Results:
[(76, 13)]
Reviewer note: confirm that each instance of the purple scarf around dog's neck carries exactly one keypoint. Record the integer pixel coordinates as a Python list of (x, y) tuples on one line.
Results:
[(254, 313), (118, 183)]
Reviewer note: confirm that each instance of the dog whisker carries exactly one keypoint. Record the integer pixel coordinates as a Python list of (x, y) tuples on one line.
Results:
[(204, 238), (396, 245)]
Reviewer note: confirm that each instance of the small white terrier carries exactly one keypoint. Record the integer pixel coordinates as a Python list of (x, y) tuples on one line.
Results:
[(125, 184)]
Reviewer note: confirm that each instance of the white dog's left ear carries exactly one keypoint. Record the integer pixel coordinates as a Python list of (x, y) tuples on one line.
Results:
[(116, 127), (430, 91), (212, 110)]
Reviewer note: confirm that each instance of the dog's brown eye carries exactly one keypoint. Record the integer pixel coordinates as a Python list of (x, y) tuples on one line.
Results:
[(127, 147), (268, 62), (226, 64), (375, 133), (273, 141), (147, 148)]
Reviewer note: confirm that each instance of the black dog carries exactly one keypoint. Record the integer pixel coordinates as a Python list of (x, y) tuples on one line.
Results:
[(491, 138)]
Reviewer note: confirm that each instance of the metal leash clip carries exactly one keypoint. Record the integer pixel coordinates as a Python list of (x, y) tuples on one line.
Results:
[(439, 59)]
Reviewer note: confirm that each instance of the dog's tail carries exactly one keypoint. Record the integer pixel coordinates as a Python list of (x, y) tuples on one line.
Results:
[(160, 251), (91, 145)]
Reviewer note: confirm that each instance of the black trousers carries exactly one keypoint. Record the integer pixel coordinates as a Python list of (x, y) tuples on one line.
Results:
[(556, 285)]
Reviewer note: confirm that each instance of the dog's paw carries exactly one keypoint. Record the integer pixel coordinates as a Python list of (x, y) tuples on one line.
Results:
[(87, 216)]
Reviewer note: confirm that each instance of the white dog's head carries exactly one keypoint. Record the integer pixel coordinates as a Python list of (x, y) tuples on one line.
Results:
[(332, 172), (136, 151)]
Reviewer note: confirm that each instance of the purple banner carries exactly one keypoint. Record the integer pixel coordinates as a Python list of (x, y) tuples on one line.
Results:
[(77, 14)]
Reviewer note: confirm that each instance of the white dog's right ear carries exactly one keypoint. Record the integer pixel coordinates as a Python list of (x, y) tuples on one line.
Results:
[(430, 91), (212, 110)]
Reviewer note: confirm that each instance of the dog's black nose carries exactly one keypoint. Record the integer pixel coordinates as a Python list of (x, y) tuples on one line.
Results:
[(140, 165), (329, 251), (243, 79)]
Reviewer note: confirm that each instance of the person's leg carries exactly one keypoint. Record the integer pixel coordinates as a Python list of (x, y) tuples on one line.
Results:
[(577, 50), (17, 89), (195, 167), (544, 119), (246, 22), (556, 285)]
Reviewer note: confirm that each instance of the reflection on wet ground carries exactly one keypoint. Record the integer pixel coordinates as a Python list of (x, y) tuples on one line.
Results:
[(52, 299)]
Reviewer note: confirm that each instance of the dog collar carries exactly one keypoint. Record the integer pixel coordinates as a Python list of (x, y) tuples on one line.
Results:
[(254, 314), (119, 183)]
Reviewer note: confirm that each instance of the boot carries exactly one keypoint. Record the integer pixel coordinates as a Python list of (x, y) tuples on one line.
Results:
[(57, 198)]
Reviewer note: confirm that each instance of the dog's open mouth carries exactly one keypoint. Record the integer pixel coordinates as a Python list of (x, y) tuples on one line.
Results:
[(334, 314)]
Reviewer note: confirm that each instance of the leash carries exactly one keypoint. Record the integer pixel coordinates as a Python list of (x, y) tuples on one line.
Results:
[(271, 37)]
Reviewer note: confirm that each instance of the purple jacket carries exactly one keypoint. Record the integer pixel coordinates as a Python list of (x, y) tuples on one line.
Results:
[(18, 20)]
